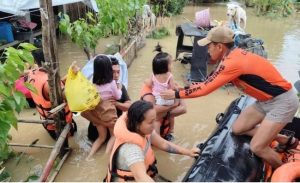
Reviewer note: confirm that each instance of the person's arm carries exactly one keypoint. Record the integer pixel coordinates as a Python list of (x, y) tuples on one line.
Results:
[(125, 105), (139, 172), (170, 147), (131, 157), (115, 91), (64, 79), (172, 83), (148, 82), (161, 110), (226, 73)]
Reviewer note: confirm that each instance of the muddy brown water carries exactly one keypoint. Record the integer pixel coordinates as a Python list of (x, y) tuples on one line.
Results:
[(282, 41)]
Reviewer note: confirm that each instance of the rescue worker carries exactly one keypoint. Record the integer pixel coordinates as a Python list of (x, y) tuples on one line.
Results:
[(276, 102), (39, 79), (132, 157)]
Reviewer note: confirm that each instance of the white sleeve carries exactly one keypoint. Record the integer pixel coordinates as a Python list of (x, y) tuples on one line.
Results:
[(128, 155)]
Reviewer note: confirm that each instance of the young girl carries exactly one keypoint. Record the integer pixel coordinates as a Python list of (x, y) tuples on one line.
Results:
[(104, 115), (161, 80)]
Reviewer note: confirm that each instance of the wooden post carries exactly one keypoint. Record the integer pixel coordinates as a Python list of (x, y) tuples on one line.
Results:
[(55, 92), (54, 153), (51, 60)]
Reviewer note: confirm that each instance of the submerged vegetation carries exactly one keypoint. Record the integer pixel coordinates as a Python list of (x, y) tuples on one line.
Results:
[(159, 33), (168, 7), (272, 8)]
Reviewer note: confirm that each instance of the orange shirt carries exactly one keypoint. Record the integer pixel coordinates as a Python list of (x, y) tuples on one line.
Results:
[(252, 74)]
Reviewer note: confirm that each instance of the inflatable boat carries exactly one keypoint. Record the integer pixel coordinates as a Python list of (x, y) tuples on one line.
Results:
[(227, 157)]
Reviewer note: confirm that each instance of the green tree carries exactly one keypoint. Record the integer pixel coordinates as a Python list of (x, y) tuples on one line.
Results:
[(12, 101), (113, 19), (273, 8)]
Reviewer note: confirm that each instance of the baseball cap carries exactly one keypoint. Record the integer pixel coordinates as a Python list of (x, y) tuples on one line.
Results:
[(219, 34)]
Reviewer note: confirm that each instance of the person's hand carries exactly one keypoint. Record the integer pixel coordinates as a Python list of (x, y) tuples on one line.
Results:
[(119, 86), (176, 104), (194, 152), (74, 67), (112, 100), (167, 94)]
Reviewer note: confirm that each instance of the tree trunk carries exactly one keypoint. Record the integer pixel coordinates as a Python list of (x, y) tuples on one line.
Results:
[(51, 60)]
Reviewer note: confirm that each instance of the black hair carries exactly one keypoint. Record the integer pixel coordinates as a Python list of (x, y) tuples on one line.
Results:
[(136, 114), (114, 61), (102, 70), (160, 63), (228, 45), (38, 56)]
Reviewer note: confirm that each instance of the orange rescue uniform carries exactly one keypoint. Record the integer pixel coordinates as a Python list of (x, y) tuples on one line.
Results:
[(252, 74)]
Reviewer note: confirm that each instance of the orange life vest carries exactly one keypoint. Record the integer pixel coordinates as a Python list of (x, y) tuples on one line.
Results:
[(38, 78), (123, 135), (290, 170)]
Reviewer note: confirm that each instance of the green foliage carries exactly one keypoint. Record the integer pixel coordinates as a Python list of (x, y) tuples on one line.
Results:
[(115, 15), (85, 33), (4, 175), (169, 7), (112, 19), (12, 101), (159, 34), (273, 8)]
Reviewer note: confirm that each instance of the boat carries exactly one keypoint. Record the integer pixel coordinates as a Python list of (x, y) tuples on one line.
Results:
[(224, 156), (227, 157)]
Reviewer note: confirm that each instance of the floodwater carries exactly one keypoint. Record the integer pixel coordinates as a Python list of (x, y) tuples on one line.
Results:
[(282, 41)]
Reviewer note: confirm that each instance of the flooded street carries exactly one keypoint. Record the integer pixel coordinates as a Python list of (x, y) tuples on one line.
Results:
[(282, 42)]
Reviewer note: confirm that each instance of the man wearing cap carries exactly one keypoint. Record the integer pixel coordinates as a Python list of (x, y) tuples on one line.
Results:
[(276, 101)]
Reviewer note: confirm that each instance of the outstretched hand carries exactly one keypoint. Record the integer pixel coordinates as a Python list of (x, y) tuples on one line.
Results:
[(167, 94), (194, 152)]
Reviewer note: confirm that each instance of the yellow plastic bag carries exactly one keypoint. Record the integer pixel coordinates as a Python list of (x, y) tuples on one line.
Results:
[(81, 94)]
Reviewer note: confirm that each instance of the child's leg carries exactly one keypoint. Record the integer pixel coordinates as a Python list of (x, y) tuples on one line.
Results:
[(179, 110), (99, 141), (110, 142), (171, 121)]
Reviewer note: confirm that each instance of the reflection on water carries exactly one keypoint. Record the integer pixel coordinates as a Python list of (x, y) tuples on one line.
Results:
[(282, 41)]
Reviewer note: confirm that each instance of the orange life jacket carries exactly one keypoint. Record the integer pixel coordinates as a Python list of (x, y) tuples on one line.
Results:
[(290, 170), (123, 135), (38, 78)]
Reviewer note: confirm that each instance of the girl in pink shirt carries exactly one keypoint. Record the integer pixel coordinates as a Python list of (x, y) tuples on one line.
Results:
[(104, 115), (161, 80)]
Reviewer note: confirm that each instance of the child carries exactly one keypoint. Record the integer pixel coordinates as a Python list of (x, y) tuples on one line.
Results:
[(162, 79), (104, 115)]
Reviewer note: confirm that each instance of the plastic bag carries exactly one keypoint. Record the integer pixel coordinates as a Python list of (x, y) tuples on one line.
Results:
[(80, 93)]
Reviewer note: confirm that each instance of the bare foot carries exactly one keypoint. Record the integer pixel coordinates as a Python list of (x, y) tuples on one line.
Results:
[(89, 159)]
